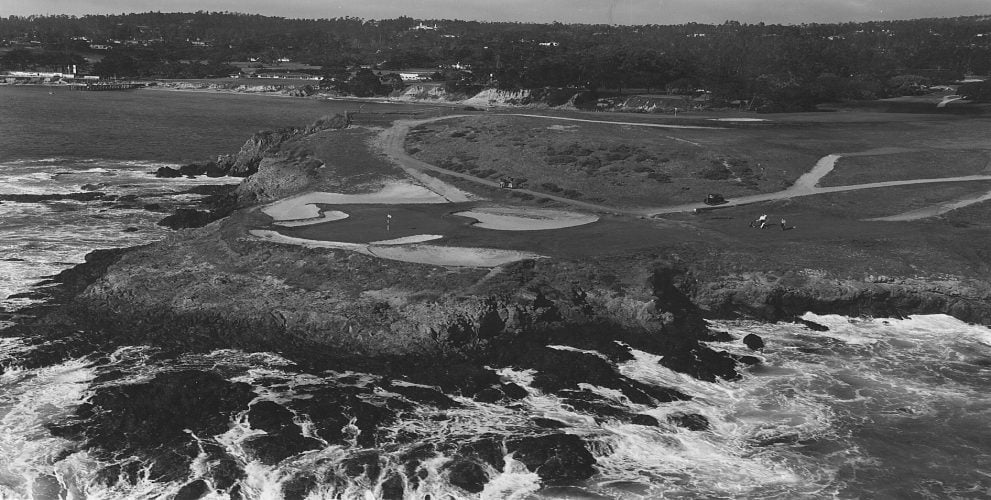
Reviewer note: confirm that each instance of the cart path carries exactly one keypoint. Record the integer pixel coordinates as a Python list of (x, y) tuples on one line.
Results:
[(392, 143), (935, 210)]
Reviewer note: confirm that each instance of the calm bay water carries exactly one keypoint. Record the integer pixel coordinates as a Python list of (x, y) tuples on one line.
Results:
[(870, 409), (147, 125)]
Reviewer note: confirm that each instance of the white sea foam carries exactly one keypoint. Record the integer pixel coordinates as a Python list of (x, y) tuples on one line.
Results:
[(29, 400)]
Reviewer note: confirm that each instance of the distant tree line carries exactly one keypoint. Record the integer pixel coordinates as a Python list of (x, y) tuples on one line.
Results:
[(766, 66)]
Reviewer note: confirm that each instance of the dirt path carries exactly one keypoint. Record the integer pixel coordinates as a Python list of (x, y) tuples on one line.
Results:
[(392, 143), (933, 211)]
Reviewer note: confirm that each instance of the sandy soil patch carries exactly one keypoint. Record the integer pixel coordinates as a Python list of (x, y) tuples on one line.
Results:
[(419, 254), (525, 219), (563, 128)]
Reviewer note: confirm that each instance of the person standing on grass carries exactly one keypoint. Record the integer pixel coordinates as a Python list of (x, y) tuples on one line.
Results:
[(762, 220), (783, 226)]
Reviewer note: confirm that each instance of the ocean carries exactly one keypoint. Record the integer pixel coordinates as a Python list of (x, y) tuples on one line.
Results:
[(872, 408)]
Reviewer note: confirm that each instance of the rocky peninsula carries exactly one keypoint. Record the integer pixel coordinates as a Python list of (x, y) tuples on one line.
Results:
[(577, 303)]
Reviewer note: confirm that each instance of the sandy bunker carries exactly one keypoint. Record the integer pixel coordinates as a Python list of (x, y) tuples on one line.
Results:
[(406, 252), (525, 219)]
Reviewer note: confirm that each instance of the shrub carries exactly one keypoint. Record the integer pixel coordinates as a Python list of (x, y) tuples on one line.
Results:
[(715, 173), (550, 186), (571, 193), (659, 177), (590, 163), (561, 159), (459, 133), (413, 150), (642, 168), (486, 172)]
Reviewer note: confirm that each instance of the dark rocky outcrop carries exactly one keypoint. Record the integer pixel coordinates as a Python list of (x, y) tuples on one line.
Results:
[(245, 162), (153, 420), (690, 421), (393, 488), (467, 475), (167, 173), (556, 458), (283, 437), (812, 325), (646, 420), (764, 297), (188, 218), (38, 198), (192, 490), (753, 341)]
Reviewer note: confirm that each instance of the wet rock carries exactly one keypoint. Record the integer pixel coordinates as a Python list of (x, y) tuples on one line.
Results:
[(466, 378), (274, 448), (298, 487), (167, 173), (131, 230), (556, 458), (284, 437), (487, 450), (152, 420), (702, 363), (192, 490), (690, 421), (549, 423), (641, 419), (393, 488), (812, 325), (514, 391), (753, 341), (467, 475), (331, 409), (411, 461), (586, 401), (187, 218), (717, 336), (38, 198), (747, 360), (270, 417), (560, 370), (425, 395), (489, 395), (111, 474), (226, 472), (210, 169), (151, 207), (364, 463), (127, 198)]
